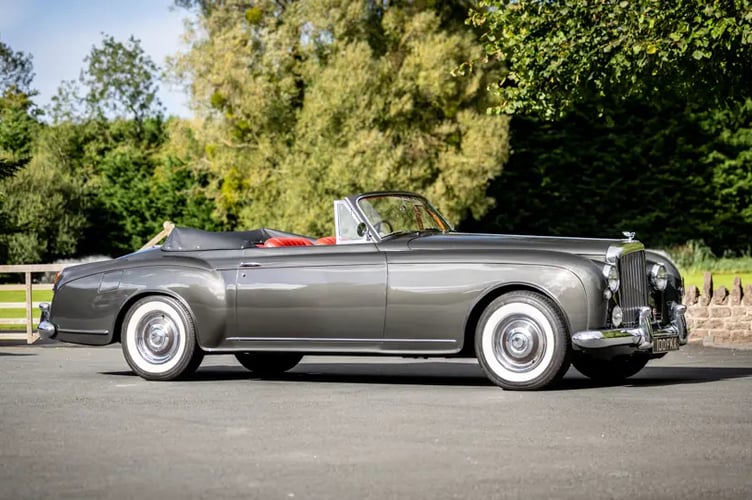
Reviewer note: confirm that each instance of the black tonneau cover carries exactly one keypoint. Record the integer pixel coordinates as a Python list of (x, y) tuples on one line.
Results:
[(183, 239)]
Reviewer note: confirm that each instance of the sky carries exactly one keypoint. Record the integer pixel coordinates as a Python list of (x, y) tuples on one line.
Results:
[(59, 34)]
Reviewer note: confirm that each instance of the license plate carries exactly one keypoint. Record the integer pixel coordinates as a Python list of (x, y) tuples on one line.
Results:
[(665, 344)]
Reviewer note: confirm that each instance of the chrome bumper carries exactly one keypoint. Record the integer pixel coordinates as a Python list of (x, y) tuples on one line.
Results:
[(641, 337), (46, 329)]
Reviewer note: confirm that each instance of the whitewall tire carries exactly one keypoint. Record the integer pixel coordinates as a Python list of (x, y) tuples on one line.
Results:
[(159, 340), (522, 342)]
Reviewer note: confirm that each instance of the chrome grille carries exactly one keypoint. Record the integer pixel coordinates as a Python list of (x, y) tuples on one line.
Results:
[(633, 292)]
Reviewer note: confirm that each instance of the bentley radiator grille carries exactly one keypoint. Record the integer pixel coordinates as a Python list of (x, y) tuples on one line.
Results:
[(634, 286)]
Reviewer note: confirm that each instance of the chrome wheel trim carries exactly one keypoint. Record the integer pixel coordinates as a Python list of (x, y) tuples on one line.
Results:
[(156, 337), (518, 342)]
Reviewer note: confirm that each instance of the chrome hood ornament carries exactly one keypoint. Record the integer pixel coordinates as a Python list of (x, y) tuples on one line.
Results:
[(629, 236)]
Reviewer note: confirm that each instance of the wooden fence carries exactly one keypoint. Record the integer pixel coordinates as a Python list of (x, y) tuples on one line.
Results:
[(28, 270), (28, 321)]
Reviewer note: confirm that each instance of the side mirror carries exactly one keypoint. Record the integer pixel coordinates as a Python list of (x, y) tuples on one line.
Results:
[(361, 229)]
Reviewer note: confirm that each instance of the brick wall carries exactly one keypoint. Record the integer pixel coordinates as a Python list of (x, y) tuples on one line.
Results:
[(719, 316)]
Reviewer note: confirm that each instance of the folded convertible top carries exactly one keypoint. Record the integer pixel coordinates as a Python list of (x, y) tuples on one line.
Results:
[(183, 239)]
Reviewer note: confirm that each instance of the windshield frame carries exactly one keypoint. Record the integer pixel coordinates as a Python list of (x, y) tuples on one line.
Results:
[(374, 235)]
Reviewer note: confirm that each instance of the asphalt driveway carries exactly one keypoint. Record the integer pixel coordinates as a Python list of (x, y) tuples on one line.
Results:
[(77, 424)]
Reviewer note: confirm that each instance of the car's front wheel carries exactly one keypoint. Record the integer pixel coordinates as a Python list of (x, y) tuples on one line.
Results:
[(159, 339), (268, 363), (609, 370), (522, 342)]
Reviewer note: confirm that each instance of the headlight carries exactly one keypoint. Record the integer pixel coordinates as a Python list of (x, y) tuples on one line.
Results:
[(659, 277), (616, 317), (612, 276)]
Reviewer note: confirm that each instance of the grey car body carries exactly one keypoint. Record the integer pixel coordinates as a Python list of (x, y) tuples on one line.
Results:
[(526, 306)]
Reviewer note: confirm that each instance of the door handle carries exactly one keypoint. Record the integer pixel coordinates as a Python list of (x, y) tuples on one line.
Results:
[(250, 264)]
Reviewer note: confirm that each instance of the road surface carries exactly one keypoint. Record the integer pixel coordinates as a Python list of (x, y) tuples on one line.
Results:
[(75, 423)]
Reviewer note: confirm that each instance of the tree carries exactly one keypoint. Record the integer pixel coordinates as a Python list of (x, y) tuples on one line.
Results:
[(16, 70), (98, 180), (729, 158), (18, 114), (562, 53), (620, 101), (646, 172), (304, 102), (18, 129), (133, 184), (121, 79), (203, 7), (137, 186), (46, 207), (19, 125)]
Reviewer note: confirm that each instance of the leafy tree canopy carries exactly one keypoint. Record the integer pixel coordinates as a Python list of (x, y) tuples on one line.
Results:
[(303, 102), (16, 70), (561, 53), (18, 114), (96, 180), (18, 126), (121, 80)]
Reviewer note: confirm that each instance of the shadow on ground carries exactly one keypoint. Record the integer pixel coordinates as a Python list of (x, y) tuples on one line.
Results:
[(453, 374), (662, 376)]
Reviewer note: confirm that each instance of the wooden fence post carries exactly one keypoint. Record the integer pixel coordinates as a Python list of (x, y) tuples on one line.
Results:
[(31, 335)]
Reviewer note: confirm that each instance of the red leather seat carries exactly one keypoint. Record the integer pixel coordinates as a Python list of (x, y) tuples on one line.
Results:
[(287, 242), (326, 240)]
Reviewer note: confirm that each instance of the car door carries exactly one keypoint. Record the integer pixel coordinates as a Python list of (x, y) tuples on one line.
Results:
[(316, 296)]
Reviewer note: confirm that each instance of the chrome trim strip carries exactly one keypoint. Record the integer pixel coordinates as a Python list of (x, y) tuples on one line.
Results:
[(330, 339), (85, 332)]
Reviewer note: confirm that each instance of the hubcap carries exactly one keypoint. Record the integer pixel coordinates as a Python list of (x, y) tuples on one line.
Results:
[(519, 343), (157, 337)]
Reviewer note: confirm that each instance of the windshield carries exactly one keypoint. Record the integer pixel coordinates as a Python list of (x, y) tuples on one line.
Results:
[(396, 214)]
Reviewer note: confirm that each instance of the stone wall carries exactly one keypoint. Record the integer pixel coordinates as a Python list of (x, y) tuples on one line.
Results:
[(719, 317)]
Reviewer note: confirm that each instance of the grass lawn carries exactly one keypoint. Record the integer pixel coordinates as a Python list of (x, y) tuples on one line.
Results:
[(725, 279), (17, 328), (17, 313), (20, 296)]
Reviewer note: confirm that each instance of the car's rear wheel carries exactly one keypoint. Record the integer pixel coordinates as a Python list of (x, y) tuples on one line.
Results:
[(159, 339), (609, 370), (522, 342), (268, 363)]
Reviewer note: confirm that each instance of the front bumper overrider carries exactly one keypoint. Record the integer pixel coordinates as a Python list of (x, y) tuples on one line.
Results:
[(641, 337), (46, 328)]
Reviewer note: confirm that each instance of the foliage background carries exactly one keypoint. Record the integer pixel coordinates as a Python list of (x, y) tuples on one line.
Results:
[(629, 115), (625, 115)]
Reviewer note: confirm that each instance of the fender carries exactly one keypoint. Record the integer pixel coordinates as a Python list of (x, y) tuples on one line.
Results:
[(88, 309), (573, 282)]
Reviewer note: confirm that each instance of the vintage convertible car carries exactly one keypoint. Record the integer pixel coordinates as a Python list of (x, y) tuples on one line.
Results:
[(396, 279)]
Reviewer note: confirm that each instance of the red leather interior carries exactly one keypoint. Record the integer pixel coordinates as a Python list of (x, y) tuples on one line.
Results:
[(326, 240), (287, 242)]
